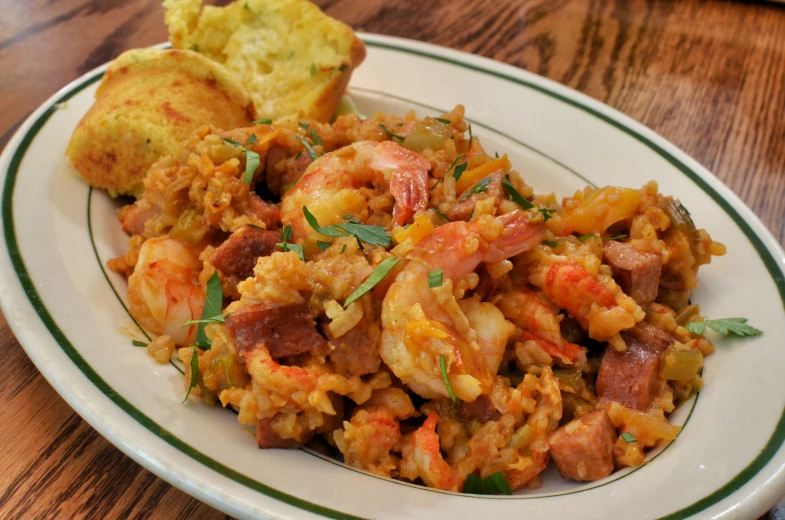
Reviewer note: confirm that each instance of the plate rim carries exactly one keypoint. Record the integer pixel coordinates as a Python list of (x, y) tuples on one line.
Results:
[(764, 242)]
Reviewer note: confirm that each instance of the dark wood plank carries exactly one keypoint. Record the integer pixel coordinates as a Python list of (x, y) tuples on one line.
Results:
[(708, 75)]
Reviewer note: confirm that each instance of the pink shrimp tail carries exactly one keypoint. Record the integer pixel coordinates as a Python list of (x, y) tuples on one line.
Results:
[(408, 182), (519, 235)]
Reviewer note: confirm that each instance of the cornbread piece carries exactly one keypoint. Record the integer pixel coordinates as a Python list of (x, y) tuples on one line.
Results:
[(583, 448), (148, 101), (238, 254), (292, 58), (637, 272), (286, 330), (631, 377)]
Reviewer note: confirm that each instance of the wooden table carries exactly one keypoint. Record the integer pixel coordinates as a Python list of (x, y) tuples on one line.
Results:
[(708, 75)]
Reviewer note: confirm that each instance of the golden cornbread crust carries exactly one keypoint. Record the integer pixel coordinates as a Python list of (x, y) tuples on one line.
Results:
[(294, 60), (148, 101)]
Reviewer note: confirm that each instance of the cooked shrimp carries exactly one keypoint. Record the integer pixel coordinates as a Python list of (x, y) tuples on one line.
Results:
[(601, 308), (164, 289), (422, 324), (329, 187), (421, 458)]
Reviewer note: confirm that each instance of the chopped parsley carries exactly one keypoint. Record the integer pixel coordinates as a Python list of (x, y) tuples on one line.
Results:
[(194, 373), (587, 236), (435, 278), (726, 326), (491, 485), (316, 139), (252, 159), (389, 132), (137, 343), (212, 309), (375, 235), (284, 245), (308, 148), (289, 185), (262, 121), (551, 243), (443, 368), (445, 217), (323, 245), (457, 173), (378, 274), (302, 125), (314, 70), (628, 437), (547, 213), (252, 139), (480, 187), (515, 195), (343, 249), (252, 162), (221, 318), (471, 137), (443, 120)]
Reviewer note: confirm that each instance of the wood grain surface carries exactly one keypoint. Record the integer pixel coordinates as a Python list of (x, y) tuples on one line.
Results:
[(707, 75)]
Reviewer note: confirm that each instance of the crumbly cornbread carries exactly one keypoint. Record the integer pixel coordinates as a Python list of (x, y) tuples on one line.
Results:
[(147, 103), (294, 60)]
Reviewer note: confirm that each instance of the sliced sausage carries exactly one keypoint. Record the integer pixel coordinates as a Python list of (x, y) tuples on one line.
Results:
[(481, 409), (266, 211), (583, 448), (637, 272), (237, 255), (356, 353), (267, 438), (631, 377), (287, 330)]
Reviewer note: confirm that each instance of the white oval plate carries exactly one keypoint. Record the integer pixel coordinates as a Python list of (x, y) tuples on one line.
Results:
[(69, 313)]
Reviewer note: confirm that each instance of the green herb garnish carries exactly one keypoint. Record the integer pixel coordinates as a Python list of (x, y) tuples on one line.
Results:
[(302, 125), (551, 243), (322, 245), (194, 374), (284, 245), (212, 308), (307, 148), (316, 139), (547, 213), (378, 274), (435, 278), (443, 368), (263, 121), (442, 120), (290, 184), (342, 249), (480, 187), (445, 217), (230, 141), (314, 70), (137, 343), (491, 485), (628, 437), (471, 137), (587, 236), (252, 139), (221, 318), (515, 195), (252, 162), (726, 326), (391, 133), (375, 235)]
